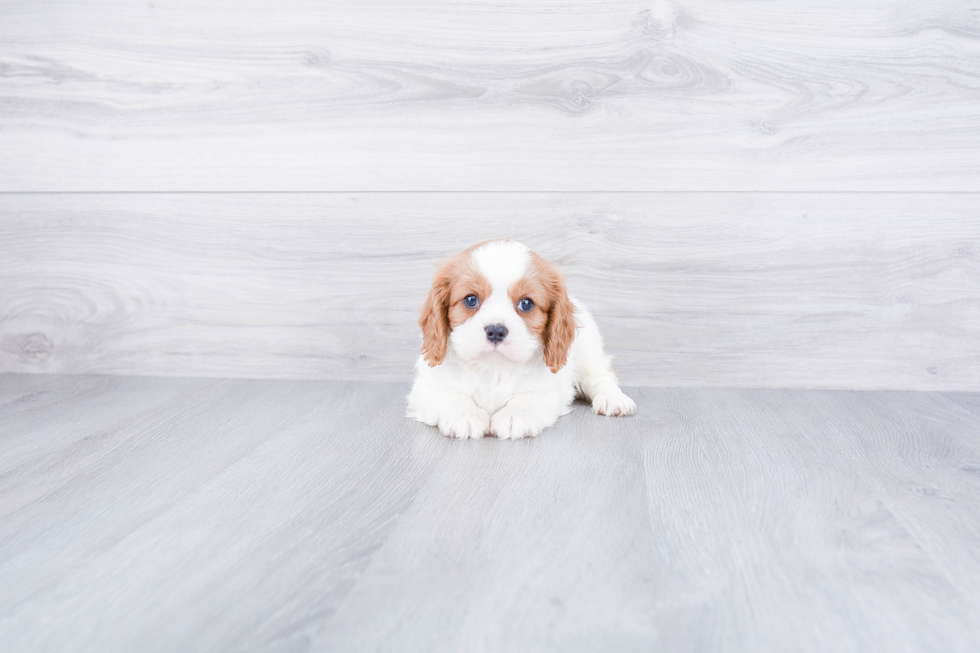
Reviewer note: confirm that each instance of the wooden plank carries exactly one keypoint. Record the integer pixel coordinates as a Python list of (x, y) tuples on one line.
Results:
[(714, 520), (232, 518), (801, 290), (310, 515), (545, 545), (932, 457), (547, 95), (967, 401), (79, 415)]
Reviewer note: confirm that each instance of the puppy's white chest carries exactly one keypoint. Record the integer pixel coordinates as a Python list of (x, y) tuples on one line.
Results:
[(491, 389)]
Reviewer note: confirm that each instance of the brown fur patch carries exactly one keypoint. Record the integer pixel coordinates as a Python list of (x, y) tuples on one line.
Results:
[(553, 317), (532, 287), (443, 310)]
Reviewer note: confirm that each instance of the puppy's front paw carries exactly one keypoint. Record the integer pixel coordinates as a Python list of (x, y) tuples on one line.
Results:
[(508, 424), (469, 423), (612, 401)]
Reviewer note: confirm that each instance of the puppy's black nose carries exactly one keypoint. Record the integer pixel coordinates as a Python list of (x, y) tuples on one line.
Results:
[(496, 332)]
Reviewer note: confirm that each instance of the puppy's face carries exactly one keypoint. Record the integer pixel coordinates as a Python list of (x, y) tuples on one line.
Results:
[(498, 299)]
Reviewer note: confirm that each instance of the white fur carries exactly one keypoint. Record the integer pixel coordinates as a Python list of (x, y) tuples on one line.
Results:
[(507, 390), (503, 263)]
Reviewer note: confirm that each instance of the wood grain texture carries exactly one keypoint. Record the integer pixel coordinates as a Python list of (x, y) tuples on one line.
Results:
[(311, 516), (718, 520), (229, 516), (800, 290), (545, 95)]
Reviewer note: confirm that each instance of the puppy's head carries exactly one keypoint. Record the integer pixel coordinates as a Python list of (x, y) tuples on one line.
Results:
[(498, 299)]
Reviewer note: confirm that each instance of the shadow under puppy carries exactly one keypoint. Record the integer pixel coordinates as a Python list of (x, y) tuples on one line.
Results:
[(505, 350)]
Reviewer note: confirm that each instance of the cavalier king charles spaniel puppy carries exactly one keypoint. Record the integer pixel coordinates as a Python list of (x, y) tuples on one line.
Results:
[(505, 350)]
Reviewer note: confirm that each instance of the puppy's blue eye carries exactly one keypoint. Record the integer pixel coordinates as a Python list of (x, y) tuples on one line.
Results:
[(525, 304), (470, 301)]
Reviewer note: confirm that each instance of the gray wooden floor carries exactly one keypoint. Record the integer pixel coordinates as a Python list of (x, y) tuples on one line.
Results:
[(150, 514)]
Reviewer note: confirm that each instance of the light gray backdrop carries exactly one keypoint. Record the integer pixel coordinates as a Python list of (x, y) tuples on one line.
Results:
[(188, 191)]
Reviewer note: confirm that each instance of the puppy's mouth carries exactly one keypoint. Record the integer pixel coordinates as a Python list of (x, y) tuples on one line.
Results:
[(492, 349), (504, 350)]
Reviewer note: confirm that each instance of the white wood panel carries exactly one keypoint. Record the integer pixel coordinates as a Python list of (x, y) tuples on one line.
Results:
[(514, 95), (313, 516), (775, 289)]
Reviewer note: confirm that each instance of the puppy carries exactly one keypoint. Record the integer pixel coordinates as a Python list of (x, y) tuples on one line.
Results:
[(505, 350)]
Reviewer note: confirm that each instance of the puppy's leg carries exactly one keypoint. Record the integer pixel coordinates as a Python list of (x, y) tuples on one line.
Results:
[(525, 415), (460, 417), (456, 415), (596, 377)]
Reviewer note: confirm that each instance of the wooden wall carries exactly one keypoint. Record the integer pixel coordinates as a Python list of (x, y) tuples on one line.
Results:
[(759, 289), (746, 193)]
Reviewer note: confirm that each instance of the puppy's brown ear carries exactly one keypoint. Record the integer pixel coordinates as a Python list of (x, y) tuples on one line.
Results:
[(434, 319), (559, 332)]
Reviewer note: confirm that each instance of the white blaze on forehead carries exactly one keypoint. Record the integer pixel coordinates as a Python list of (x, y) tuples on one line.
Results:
[(503, 263)]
